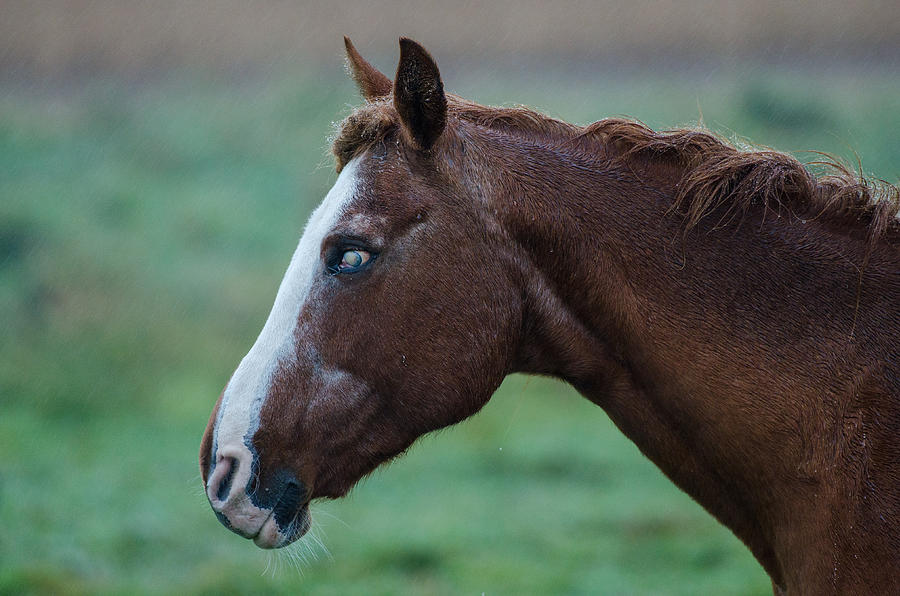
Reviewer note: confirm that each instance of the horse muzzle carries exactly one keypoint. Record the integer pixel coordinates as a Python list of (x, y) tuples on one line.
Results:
[(272, 512)]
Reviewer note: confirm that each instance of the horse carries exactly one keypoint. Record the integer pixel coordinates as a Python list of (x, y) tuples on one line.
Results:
[(734, 312)]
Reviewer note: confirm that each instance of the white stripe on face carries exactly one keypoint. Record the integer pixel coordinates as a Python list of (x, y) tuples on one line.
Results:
[(238, 417)]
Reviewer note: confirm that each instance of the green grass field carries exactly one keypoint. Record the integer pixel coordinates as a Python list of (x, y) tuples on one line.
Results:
[(144, 228)]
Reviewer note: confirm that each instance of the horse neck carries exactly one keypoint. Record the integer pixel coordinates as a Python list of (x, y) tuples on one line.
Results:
[(684, 341)]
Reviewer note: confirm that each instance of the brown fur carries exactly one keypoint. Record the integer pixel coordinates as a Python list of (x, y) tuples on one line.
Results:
[(713, 172), (736, 316)]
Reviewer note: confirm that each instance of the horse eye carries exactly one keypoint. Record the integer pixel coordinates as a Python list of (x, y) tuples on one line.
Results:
[(354, 259)]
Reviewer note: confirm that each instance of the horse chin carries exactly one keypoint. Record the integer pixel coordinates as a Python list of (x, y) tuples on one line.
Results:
[(271, 535)]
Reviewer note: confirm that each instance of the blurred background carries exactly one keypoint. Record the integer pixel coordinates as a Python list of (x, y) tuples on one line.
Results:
[(157, 163)]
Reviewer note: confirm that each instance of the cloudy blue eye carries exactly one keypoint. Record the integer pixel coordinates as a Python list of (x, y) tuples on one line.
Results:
[(353, 260)]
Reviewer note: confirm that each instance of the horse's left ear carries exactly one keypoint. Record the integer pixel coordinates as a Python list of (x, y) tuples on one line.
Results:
[(419, 95), (372, 84)]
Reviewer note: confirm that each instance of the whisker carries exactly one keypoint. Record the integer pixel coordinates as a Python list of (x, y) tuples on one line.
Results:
[(314, 535), (333, 516), (268, 564), (324, 549), (295, 557), (196, 487)]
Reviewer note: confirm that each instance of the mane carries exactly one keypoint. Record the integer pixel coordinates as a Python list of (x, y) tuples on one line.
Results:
[(714, 172)]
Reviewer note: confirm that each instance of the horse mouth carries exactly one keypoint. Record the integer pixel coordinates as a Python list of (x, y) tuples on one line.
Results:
[(289, 519), (273, 534)]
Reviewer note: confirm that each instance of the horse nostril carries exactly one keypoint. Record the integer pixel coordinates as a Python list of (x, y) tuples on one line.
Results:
[(220, 483), (225, 486)]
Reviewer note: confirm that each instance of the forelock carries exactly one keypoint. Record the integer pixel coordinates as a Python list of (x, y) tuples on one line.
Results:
[(364, 127)]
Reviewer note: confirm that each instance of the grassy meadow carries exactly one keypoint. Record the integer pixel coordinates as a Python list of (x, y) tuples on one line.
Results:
[(144, 228)]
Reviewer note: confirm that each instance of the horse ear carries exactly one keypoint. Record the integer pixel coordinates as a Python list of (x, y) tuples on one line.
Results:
[(419, 95), (371, 82)]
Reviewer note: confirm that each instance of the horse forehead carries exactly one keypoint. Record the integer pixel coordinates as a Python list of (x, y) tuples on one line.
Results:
[(253, 381), (363, 221)]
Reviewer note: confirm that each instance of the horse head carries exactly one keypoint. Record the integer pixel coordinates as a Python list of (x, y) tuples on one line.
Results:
[(395, 317)]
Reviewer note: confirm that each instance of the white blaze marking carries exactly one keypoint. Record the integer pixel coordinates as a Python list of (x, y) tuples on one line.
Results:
[(238, 417)]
